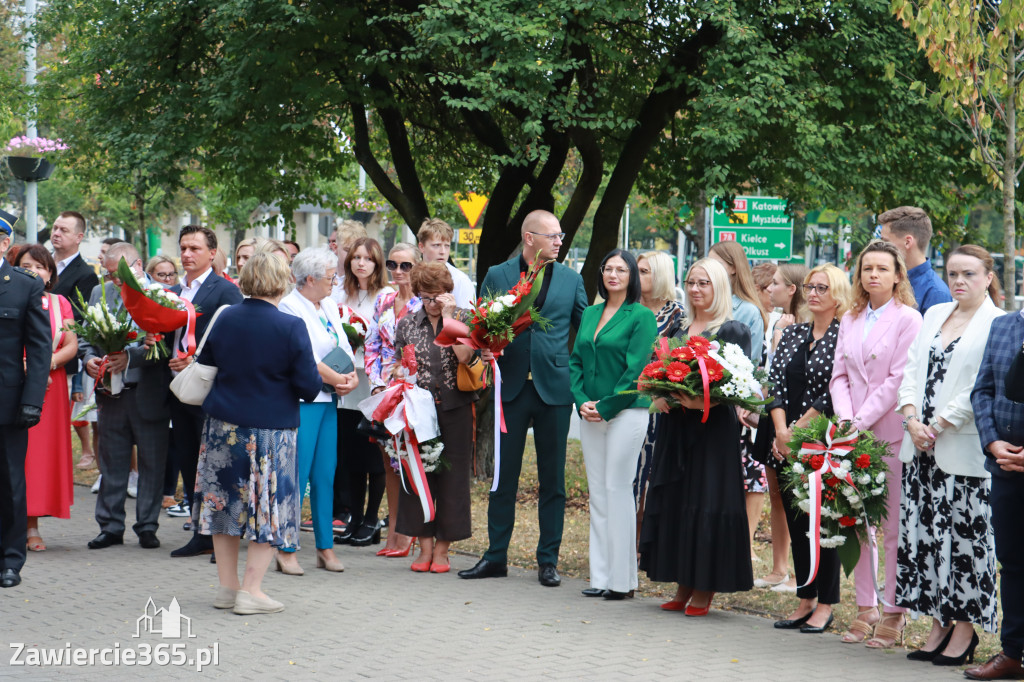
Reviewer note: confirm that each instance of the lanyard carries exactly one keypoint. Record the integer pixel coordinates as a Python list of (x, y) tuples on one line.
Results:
[(329, 327)]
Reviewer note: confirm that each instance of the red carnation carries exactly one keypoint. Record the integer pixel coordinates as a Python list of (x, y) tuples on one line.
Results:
[(677, 372), (831, 481), (817, 461), (132, 336), (846, 521), (864, 461)]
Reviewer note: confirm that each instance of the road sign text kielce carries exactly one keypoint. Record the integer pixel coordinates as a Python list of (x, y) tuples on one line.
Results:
[(758, 224)]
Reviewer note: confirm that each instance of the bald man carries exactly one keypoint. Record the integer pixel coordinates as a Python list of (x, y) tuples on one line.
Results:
[(535, 392)]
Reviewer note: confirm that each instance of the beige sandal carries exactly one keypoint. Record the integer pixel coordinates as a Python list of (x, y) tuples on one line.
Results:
[(860, 629), (38, 545), (886, 637)]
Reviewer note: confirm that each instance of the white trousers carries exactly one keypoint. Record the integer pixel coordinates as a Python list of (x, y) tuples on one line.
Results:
[(610, 451)]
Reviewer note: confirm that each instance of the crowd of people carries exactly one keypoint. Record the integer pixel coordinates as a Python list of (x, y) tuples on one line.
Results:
[(675, 488)]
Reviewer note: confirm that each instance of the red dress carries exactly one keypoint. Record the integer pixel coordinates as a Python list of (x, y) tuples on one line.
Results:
[(49, 475)]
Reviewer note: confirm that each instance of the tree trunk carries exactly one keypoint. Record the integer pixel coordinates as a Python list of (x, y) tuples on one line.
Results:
[(699, 219), (1009, 178), (143, 240)]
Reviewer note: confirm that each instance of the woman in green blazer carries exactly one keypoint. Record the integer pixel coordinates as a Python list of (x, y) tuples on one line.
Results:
[(613, 345)]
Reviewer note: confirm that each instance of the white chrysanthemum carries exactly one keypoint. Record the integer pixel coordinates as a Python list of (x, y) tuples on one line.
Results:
[(845, 464), (497, 307), (865, 479), (153, 286), (880, 478), (507, 300), (805, 505), (798, 468)]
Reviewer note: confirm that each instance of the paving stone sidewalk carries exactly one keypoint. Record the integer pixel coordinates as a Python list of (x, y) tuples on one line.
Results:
[(378, 620)]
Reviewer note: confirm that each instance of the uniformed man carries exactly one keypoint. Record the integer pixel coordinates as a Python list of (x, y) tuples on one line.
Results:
[(25, 356)]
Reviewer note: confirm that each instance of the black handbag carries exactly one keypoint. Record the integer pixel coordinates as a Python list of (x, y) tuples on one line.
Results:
[(340, 362), (1014, 386)]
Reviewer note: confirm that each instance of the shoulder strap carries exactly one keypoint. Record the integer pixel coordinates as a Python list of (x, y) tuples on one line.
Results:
[(207, 332), (55, 320)]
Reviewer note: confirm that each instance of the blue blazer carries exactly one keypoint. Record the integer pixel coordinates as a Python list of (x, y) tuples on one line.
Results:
[(997, 417), (264, 366)]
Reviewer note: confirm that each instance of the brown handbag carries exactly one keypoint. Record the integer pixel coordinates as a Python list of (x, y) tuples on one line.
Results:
[(471, 377)]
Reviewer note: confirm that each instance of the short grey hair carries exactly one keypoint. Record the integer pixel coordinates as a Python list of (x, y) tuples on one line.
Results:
[(122, 250), (313, 263)]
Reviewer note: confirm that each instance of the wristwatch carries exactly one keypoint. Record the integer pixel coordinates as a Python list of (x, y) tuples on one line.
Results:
[(907, 420), (936, 427)]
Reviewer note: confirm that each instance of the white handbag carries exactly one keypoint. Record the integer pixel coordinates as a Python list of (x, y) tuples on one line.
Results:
[(193, 383)]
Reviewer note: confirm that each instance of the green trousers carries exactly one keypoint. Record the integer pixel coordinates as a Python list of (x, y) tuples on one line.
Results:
[(550, 428)]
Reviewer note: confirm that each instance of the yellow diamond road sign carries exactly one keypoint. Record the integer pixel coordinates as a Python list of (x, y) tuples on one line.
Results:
[(472, 207)]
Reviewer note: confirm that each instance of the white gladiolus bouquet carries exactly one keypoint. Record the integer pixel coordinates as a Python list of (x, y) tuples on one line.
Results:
[(109, 331)]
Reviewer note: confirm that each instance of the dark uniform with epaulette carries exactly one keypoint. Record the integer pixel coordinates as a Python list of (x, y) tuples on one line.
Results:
[(25, 357)]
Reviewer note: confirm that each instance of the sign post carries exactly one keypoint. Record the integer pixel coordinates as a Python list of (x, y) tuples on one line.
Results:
[(759, 224)]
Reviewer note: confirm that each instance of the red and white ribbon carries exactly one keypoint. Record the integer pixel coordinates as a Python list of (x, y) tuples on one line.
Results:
[(838, 446)]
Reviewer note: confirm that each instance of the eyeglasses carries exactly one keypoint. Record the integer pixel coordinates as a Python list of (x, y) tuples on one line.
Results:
[(699, 283), (428, 299), (165, 275), (392, 266), (820, 289), (553, 236), (334, 278), (614, 271)]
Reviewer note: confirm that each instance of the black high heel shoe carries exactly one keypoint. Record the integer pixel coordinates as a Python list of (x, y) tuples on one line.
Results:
[(922, 655), (967, 655), (368, 534)]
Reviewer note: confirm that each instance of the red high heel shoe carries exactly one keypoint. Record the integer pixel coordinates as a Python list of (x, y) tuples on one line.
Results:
[(700, 611), (397, 553), (674, 606), (384, 552), (422, 567)]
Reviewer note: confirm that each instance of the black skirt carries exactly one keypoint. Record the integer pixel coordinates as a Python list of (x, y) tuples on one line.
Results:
[(695, 524)]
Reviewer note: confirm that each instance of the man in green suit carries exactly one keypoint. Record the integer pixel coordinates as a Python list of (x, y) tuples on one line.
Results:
[(535, 391)]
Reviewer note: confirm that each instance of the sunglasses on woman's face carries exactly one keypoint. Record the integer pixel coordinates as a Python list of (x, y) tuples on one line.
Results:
[(392, 266)]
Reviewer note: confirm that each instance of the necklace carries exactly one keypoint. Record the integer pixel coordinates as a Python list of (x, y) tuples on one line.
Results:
[(362, 296)]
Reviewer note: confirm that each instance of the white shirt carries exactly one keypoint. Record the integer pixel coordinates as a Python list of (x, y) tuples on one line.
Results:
[(873, 316), (317, 322), (464, 291), (365, 310), (188, 292), (61, 264)]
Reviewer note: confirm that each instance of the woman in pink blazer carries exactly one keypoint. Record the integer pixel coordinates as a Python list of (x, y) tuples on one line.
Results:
[(871, 352)]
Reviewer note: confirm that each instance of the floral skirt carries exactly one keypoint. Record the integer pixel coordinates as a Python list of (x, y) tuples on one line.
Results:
[(246, 484), (947, 553)]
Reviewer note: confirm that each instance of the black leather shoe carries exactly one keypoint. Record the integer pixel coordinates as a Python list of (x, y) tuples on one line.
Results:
[(148, 540), (612, 595), (195, 547), (593, 592), (485, 569), (548, 576), (816, 630), (793, 623), (10, 578), (104, 540)]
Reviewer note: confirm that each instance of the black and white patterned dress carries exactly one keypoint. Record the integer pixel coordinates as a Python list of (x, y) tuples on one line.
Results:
[(947, 556)]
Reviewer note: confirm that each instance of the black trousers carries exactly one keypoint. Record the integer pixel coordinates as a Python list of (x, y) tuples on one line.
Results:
[(13, 504), (1007, 516), (826, 584), (187, 424)]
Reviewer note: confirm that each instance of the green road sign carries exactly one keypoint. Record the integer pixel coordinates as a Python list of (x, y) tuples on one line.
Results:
[(759, 224)]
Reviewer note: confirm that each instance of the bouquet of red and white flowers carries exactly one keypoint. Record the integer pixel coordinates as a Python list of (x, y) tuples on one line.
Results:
[(356, 328), (156, 310), (495, 322), (704, 368), (839, 478), (109, 331)]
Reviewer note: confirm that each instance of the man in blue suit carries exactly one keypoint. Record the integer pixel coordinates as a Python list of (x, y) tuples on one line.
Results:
[(535, 391), (1000, 420), (25, 357), (207, 292)]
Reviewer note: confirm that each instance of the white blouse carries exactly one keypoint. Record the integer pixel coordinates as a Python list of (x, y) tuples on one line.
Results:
[(323, 325), (364, 308)]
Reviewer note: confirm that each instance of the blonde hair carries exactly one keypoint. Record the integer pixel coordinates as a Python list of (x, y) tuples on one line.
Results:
[(838, 286), (406, 246), (663, 281), (902, 292), (265, 245), (743, 281), (244, 243), (721, 302), (348, 232), (265, 276), (157, 260), (434, 228)]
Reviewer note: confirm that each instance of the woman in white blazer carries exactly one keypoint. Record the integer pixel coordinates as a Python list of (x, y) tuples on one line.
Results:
[(946, 557)]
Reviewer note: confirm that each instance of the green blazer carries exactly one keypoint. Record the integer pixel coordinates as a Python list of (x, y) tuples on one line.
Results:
[(602, 368), (544, 354)]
